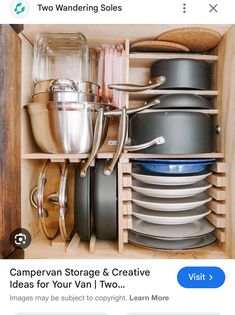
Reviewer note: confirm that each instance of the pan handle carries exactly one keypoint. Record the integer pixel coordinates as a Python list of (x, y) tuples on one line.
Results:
[(125, 87), (118, 112), (122, 131), (156, 141), (32, 197), (146, 106), (98, 131), (63, 202), (52, 198), (110, 164)]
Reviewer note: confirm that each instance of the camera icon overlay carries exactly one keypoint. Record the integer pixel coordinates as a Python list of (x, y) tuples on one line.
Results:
[(20, 238)]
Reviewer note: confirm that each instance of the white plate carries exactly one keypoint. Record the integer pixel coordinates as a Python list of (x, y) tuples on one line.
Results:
[(171, 191), (169, 180), (190, 230), (170, 204), (170, 245), (168, 217)]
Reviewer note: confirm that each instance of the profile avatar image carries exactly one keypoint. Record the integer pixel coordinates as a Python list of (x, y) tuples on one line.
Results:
[(19, 8)]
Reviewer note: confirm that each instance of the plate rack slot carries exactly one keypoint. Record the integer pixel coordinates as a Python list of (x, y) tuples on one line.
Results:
[(217, 205)]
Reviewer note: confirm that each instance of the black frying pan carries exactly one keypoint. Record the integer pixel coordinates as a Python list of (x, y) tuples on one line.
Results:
[(105, 203), (83, 204)]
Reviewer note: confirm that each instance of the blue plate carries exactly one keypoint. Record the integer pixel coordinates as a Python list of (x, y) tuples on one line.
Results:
[(173, 166)]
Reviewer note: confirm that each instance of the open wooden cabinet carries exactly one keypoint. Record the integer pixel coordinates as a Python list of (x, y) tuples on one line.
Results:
[(222, 95)]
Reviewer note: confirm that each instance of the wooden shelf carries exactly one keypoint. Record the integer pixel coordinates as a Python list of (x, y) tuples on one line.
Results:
[(61, 157), (109, 155), (145, 60), (172, 156), (45, 156), (39, 249), (105, 155), (138, 96)]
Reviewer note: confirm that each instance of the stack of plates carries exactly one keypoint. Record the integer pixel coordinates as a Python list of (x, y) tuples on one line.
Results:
[(169, 180), (168, 211), (169, 167), (174, 244), (170, 204), (171, 191), (170, 217), (194, 229)]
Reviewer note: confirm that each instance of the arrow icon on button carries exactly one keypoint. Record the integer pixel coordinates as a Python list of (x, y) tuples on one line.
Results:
[(211, 277)]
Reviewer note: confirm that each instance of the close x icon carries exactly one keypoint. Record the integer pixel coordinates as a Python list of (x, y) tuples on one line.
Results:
[(213, 8)]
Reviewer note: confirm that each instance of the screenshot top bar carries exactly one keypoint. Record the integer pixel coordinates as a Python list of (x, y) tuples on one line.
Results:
[(118, 11)]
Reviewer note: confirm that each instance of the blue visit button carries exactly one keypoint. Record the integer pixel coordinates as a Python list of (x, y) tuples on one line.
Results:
[(201, 277)]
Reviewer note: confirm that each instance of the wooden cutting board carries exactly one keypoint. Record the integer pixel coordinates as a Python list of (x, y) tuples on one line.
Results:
[(197, 39), (158, 46)]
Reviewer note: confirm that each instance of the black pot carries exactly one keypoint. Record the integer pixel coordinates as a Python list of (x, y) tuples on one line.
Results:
[(183, 74), (183, 101), (182, 132)]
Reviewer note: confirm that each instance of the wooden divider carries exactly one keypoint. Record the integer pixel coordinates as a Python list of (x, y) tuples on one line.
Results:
[(220, 235), (218, 204), (92, 243), (217, 220), (217, 207), (217, 180), (216, 193), (72, 246)]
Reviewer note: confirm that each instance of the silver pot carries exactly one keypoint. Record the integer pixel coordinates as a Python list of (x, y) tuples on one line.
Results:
[(66, 97), (63, 90), (64, 127)]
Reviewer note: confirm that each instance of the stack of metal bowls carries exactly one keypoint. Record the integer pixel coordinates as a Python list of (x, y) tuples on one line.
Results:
[(63, 115), (65, 103)]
